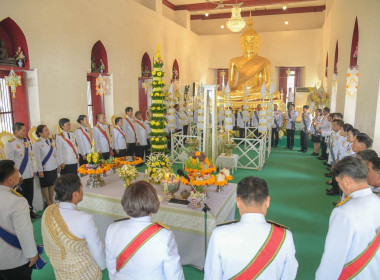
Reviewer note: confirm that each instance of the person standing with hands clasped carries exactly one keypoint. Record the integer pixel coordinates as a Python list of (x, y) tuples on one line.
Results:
[(67, 151), (83, 137), (306, 121)]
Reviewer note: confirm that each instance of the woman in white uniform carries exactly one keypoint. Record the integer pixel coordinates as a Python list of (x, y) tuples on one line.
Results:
[(138, 248)]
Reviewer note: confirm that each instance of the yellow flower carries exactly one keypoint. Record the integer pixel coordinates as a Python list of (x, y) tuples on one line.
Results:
[(157, 94), (154, 169), (162, 163), (154, 73), (159, 73)]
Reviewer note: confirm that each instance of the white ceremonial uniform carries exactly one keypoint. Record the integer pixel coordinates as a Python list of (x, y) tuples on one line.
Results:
[(255, 119), (352, 227), (195, 114), (83, 226), (177, 121), (345, 149), (335, 144), (240, 122), (118, 138), (308, 121), (65, 152), (233, 246), (325, 126), (84, 143), (15, 150), (315, 126), (141, 133), (129, 129), (148, 129), (375, 190), (277, 115), (14, 217), (291, 119), (101, 142), (41, 149), (157, 259)]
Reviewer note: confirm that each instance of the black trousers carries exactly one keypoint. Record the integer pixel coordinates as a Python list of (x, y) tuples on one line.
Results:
[(70, 169), (324, 147), (304, 140), (27, 187), (141, 151), (131, 150), (106, 156), (81, 160), (23, 272), (185, 128), (147, 151), (290, 138), (241, 132), (335, 186), (274, 137), (122, 153)]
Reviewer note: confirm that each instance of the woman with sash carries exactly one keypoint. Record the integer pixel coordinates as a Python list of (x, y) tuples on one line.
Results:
[(67, 151), (47, 163), (83, 139), (138, 248), (316, 137)]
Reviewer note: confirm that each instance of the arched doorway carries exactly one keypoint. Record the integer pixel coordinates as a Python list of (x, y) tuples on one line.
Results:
[(144, 82), (13, 109), (175, 71)]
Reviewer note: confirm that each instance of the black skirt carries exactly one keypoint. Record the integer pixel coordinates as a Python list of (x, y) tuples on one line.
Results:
[(49, 178), (316, 138)]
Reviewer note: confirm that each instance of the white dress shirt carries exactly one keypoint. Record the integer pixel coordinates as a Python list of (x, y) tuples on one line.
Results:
[(277, 115), (14, 217), (291, 118), (240, 122), (233, 246), (325, 126), (65, 152), (118, 138), (308, 121), (84, 143), (255, 119), (83, 226), (352, 227), (148, 129), (41, 149), (129, 129), (178, 121), (102, 143), (15, 150), (141, 133), (157, 259)]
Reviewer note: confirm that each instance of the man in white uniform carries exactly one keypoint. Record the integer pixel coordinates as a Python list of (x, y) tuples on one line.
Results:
[(325, 130), (19, 150), (119, 138), (276, 125), (130, 131), (353, 237), (306, 121), (102, 137), (253, 243), (67, 150), (15, 264), (291, 117)]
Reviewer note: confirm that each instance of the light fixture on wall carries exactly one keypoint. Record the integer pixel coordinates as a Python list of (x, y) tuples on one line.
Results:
[(284, 7), (222, 26), (206, 14), (236, 23), (286, 22)]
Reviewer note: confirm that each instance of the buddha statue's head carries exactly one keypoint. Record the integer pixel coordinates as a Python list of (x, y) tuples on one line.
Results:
[(250, 40)]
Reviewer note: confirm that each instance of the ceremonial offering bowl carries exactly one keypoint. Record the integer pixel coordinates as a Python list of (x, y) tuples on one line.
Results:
[(170, 188), (95, 181), (229, 147), (191, 144)]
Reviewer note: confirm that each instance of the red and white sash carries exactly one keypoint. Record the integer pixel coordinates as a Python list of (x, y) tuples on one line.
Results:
[(105, 135), (70, 144), (85, 134), (133, 127)]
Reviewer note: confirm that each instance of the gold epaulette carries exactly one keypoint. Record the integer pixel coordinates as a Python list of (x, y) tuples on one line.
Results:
[(16, 192), (39, 139), (227, 223), (123, 219), (344, 201), (11, 140), (162, 225), (277, 224)]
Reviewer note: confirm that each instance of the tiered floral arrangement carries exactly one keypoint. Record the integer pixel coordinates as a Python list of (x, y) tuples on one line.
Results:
[(95, 165), (317, 98), (127, 173), (199, 169), (158, 107), (129, 160), (158, 167), (223, 177)]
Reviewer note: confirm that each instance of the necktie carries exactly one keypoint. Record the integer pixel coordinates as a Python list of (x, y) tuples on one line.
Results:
[(47, 142), (68, 135)]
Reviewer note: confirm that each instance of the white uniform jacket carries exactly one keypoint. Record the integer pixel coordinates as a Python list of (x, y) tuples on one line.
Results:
[(102, 142), (325, 126), (157, 259), (148, 128), (315, 126), (14, 217), (233, 246), (255, 119), (15, 150), (119, 138), (240, 122), (277, 115), (41, 148), (84, 140), (291, 118), (177, 121), (83, 226), (352, 227), (308, 121), (65, 152), (141, 133), (129, 129)]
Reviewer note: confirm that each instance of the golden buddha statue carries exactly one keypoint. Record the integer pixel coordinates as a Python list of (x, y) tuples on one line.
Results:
[(250, 69)]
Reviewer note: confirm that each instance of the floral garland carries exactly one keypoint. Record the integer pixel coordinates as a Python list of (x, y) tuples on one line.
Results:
[(124, 161), (158, 108), (206, 180), (86, 169)]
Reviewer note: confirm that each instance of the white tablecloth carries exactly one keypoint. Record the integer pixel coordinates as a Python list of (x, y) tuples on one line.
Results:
[(230, 162), (186, 223)]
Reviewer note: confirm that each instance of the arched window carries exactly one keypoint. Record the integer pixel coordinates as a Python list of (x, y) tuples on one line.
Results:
[(336, 59), (146, 66), (354, 45), (175, 71), (99, 64), (13, 109)]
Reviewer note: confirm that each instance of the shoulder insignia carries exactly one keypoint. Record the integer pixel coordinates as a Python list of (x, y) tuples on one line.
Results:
[(11, 140), (344, 201), (39, 139), (119, 220), (162, 225), (16, 192), (227, 223), (277, 224)]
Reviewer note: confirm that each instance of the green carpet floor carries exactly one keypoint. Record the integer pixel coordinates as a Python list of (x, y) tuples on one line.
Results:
[(296, 185)]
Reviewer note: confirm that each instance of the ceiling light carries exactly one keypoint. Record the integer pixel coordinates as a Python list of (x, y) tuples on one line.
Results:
[(284, 7), (286, 22), (206, 13), (235, 23)]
